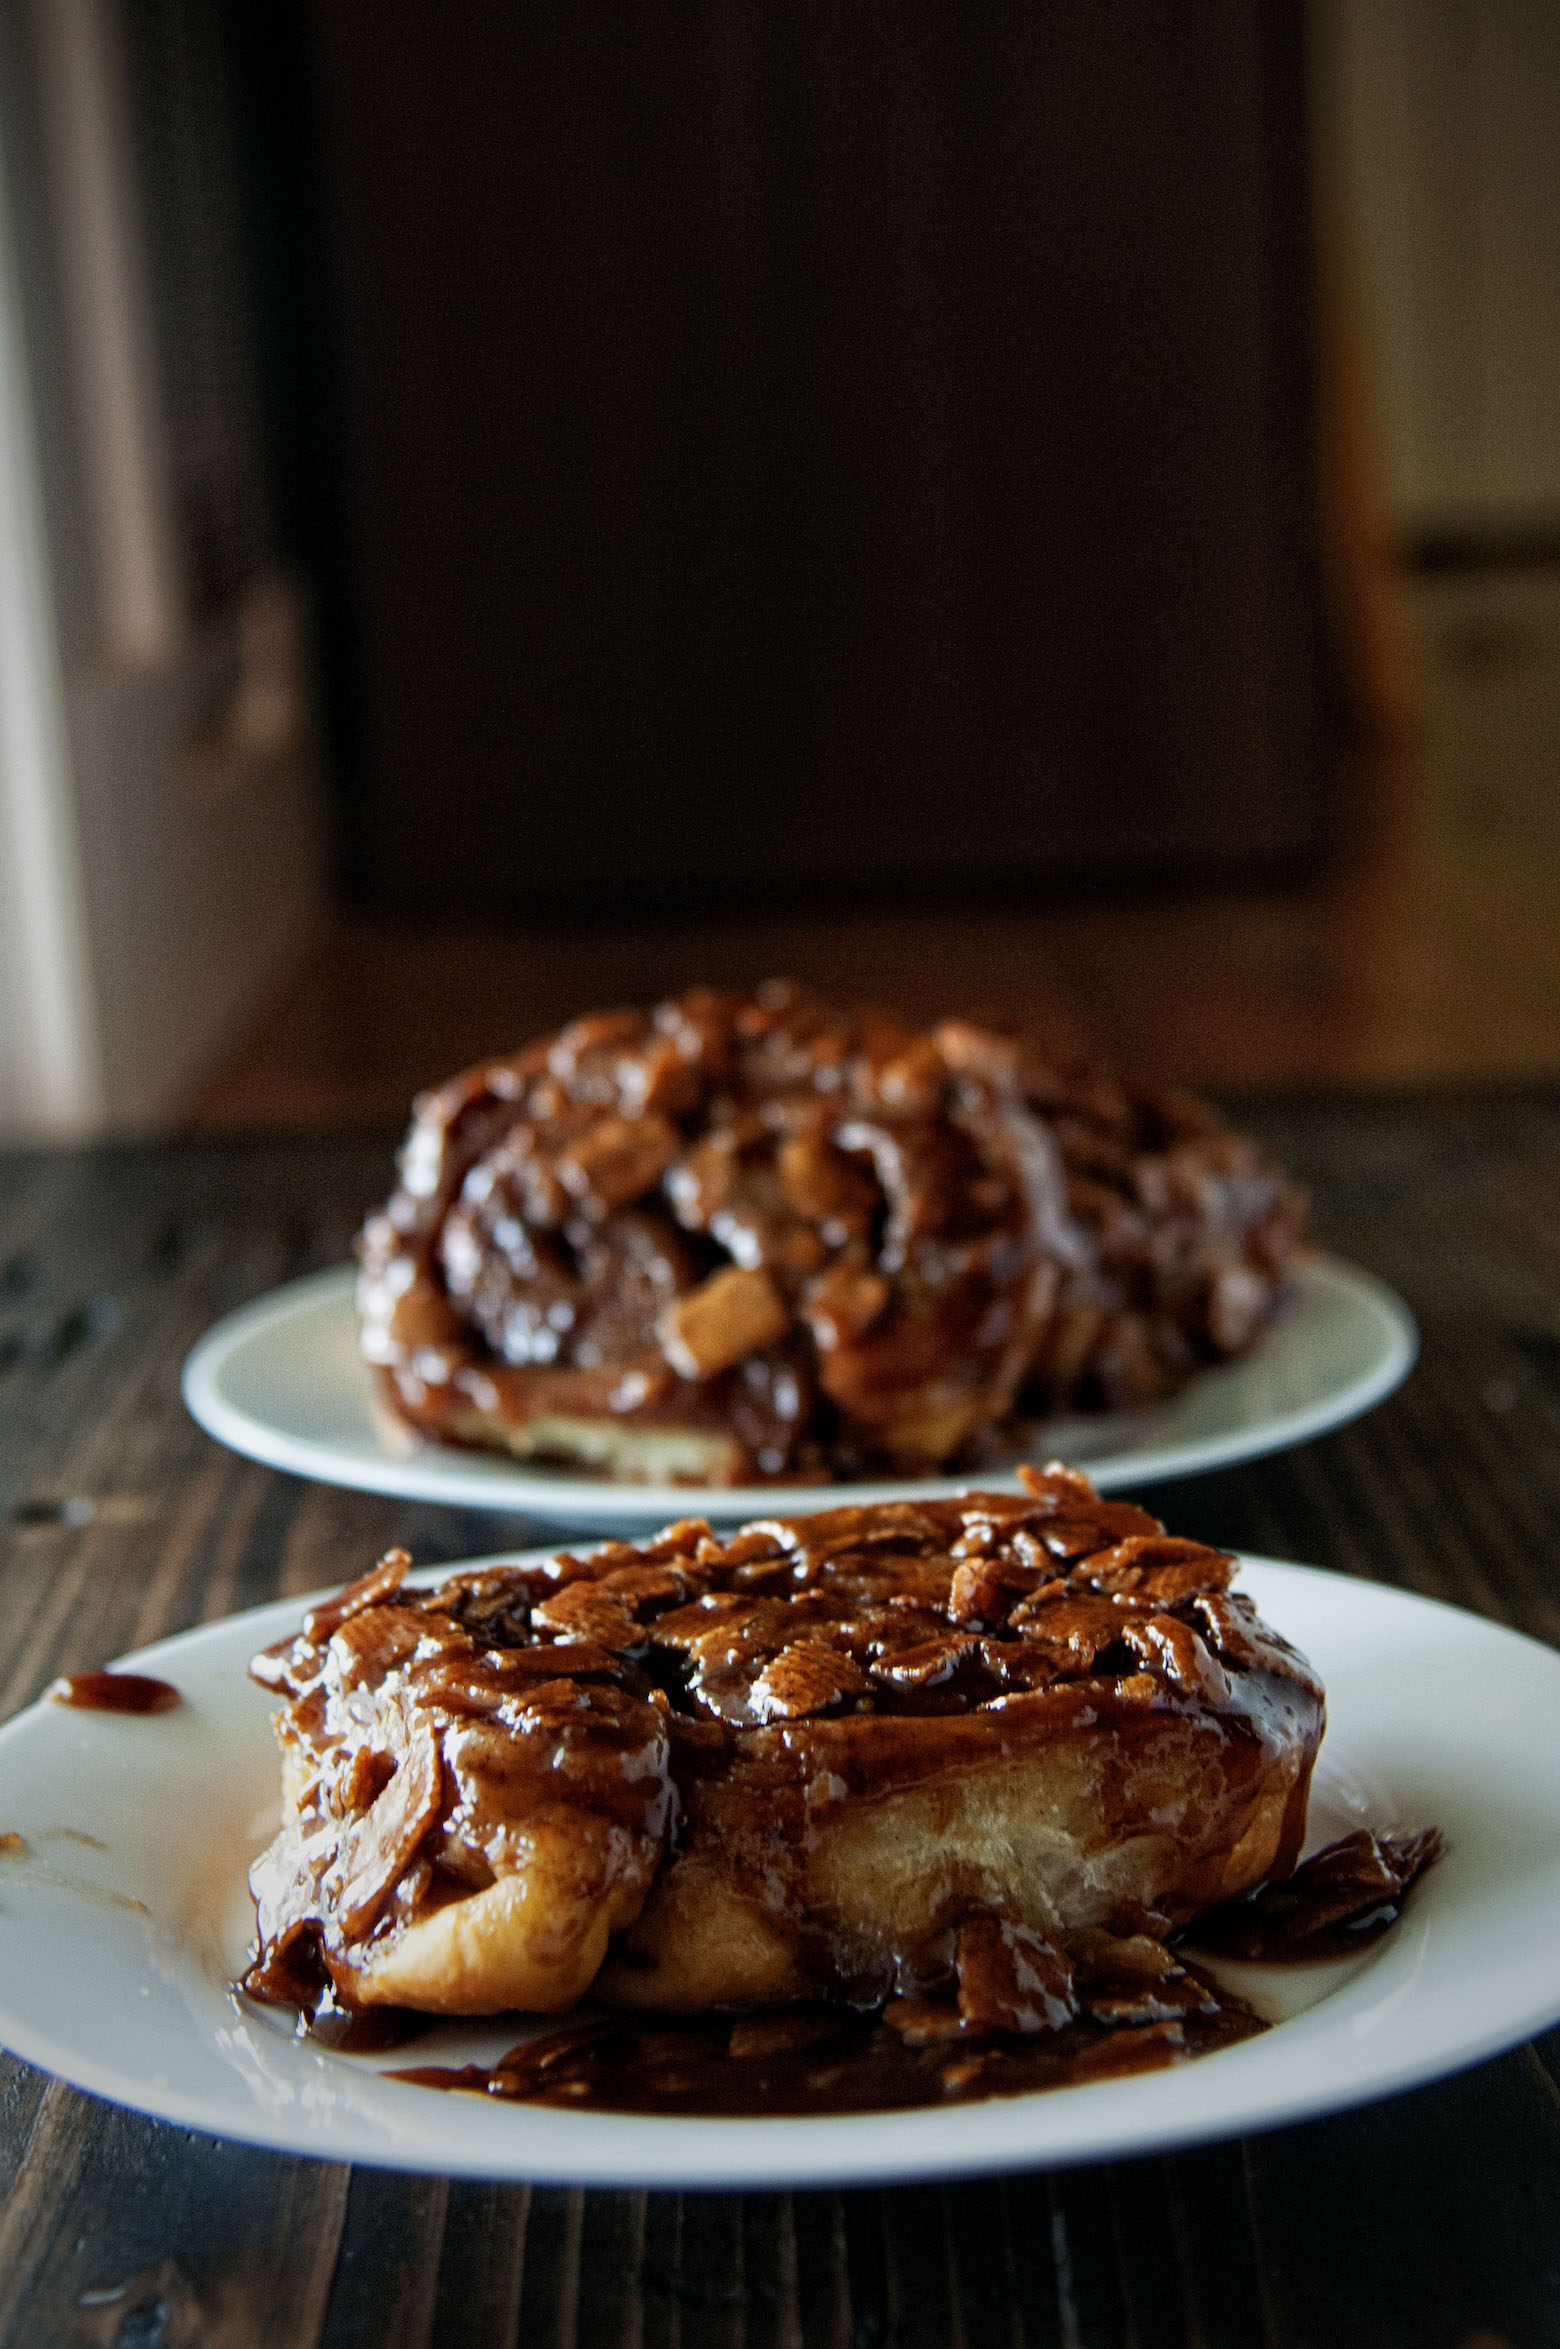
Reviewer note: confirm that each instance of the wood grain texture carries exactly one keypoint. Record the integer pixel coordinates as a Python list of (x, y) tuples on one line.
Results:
[(1430, 2222)]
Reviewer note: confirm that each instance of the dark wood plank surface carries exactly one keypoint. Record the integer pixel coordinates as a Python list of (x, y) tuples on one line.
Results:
[(1428, 2222)]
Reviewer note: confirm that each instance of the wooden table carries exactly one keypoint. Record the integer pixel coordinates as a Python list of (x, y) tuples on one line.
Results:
[(1430, 2222)]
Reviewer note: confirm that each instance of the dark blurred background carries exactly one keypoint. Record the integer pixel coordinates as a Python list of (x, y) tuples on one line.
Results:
[(1053, 511), (847, 446)]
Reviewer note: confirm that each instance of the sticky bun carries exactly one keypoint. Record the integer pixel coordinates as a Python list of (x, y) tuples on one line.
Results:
[(824, 1758), (738, 1239)]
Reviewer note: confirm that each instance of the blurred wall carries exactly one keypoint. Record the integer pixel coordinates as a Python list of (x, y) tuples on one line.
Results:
[(1445, 123), (159, 808)]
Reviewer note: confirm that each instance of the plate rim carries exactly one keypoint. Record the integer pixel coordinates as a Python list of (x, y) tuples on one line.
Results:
[(693, 2154), (475, 1480)]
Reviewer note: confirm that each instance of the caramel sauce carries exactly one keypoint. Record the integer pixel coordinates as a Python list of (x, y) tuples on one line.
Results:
[(365, 2030), (815, 2061), (1336, 1904), (917, 2052), (115, 1692)]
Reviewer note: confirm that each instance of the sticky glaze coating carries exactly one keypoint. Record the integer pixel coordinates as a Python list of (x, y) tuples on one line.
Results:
[(741, 1238), (696, 1773)]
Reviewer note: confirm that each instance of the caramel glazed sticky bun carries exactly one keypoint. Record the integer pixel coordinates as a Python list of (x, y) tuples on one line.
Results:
[(978, 1759), (738, 1239)]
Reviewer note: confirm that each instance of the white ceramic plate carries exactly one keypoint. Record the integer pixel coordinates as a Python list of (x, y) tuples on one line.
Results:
[(1435, 1717), (282, 1380)]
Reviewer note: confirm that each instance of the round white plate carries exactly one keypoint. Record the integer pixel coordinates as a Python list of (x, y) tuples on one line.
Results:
[(1435, 1717), (282, 1380)]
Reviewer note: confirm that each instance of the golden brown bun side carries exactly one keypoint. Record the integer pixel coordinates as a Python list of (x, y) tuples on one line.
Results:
[(786, 1885), (532, 1941), (625, 1451), (466, 1819)]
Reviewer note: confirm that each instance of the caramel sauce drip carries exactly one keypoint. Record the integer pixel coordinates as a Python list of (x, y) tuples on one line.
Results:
[(814, 2061), (1335, 1904), (115, 1692)]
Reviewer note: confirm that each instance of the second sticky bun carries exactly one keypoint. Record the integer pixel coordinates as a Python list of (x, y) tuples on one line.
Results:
[(746, 1238)]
